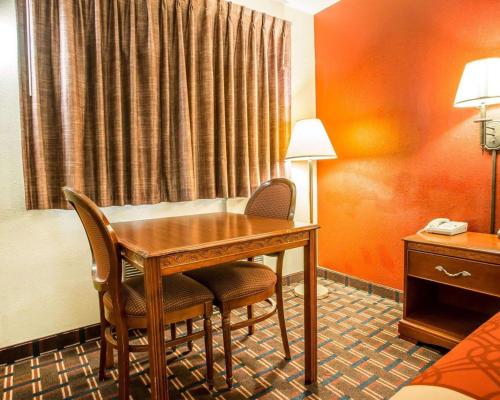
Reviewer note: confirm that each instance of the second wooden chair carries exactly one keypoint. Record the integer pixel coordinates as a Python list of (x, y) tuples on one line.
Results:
[(245, 283)]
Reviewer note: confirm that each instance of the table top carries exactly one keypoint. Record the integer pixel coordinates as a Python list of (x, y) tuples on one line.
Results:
[(156, 237), (475, 241)]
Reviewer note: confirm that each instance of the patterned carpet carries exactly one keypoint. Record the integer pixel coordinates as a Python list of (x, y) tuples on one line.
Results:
[(360, 357)]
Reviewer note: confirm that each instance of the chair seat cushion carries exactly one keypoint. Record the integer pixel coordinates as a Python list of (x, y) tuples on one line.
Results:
[(235, 280), (179, 292)]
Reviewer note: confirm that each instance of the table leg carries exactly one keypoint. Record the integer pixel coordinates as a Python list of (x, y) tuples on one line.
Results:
[(310, 311), (154, 303)]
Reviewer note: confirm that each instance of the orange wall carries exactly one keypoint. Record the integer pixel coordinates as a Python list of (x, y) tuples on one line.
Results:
[(386, 75)]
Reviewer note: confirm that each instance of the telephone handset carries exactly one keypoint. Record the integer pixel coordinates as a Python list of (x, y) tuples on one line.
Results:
[(443, 226)]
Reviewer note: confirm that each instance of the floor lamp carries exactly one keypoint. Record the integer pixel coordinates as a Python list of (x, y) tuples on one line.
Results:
[(310, 142)]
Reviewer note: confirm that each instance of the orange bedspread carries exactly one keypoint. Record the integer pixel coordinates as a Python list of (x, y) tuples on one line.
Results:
[(472, 367)]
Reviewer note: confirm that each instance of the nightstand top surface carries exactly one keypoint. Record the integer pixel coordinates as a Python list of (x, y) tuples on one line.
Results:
[(470, 240)]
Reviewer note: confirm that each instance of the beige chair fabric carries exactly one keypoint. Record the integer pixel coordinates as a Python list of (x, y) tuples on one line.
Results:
[(179, 292), (235, 280)]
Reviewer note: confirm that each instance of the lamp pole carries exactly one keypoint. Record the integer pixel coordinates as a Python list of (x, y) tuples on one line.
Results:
[(311, 191), (322, 291), (493, 191)]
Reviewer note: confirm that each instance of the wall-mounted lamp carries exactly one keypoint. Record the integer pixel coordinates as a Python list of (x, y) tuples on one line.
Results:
[(480, 87)]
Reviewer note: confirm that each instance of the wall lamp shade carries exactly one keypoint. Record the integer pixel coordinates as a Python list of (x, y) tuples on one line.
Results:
[(310, 142), (480, 84)]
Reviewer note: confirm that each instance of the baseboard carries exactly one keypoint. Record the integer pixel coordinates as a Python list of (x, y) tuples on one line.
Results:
[(59, 341), (292, 279), (361, 284), (351, 281)]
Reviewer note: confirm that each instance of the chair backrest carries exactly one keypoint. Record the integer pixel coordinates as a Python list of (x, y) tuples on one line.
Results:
[(273, 199), (106, 268)]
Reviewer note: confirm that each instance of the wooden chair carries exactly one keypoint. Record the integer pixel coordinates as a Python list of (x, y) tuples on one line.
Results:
[(122, 304), (244, 283)]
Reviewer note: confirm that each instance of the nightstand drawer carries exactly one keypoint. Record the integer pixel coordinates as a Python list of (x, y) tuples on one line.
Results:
[(473, 275)]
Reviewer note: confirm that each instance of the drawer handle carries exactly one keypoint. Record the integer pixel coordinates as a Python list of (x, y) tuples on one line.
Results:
[(458, 274)]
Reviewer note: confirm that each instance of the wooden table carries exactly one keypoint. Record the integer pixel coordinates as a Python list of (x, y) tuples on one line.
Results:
[(170, 245)]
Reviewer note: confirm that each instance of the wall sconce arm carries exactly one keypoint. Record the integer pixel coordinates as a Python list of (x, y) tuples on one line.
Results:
[(489, 131)]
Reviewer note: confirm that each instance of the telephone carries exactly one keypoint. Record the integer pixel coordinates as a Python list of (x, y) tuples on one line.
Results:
[(443, 226)]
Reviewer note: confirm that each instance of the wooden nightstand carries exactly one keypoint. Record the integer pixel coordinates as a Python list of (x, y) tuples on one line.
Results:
[(452, 285)]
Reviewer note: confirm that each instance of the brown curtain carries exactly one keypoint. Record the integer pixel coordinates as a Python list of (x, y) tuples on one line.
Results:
[(143, 101)]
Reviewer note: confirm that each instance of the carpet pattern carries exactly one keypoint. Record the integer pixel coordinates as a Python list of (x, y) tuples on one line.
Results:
[(360, 357)]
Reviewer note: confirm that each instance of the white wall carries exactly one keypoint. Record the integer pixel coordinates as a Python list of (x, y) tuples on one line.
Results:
[(45, 284)]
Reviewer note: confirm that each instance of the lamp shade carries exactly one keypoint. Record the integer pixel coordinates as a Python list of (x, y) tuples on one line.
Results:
[(480, 84), (310, 142)]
